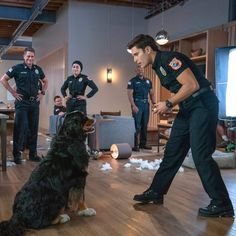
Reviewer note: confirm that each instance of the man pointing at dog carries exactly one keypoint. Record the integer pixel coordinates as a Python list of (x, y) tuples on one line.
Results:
[(194, 126)]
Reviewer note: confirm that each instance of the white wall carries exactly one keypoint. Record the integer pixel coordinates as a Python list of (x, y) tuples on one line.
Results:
[(98, 35), (4, 66), (194, 16), (50, 38)]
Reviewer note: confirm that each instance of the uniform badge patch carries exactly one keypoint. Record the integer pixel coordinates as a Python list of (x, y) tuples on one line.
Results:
[(147, 81), (129, 83), (162, 70), (175, 64), (80, 79), (36, 71), (10, 70)]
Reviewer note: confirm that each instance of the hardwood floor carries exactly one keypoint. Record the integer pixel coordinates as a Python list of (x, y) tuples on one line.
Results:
[(111, 192)]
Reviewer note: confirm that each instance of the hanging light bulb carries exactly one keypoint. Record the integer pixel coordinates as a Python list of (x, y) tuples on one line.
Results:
[(162, 36), (132, 25)]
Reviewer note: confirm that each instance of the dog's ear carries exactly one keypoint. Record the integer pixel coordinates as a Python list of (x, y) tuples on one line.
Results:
[(59, 125)]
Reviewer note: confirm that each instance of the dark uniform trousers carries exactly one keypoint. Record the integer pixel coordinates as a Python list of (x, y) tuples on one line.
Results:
[(195, 127), (26, 118), (141, 121), (74, 104)]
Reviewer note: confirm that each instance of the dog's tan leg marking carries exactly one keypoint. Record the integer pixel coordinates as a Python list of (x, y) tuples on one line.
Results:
[(74, 198)]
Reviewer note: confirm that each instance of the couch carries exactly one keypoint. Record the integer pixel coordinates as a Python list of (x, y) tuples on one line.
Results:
[(54, 122), (112, 130)]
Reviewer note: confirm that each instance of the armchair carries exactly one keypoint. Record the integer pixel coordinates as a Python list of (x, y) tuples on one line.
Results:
[(110, 130)]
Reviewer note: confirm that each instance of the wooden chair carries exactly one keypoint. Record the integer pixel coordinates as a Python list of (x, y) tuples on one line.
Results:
[(111, 113), (161, 127)]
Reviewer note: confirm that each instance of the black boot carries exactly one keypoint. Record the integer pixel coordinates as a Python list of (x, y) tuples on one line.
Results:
[(149, 196), (34, 157), (18, 159), (212, 210), (145, 147), (136, 149)]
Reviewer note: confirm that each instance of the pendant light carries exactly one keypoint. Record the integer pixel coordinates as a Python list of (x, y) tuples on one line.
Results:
[(132, 25), (162, 36)]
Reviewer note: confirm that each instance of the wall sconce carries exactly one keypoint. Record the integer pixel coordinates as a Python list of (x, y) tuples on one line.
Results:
[(109, 75)]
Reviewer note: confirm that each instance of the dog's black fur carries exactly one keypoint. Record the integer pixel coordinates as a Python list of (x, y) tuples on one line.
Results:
[(46, 192)]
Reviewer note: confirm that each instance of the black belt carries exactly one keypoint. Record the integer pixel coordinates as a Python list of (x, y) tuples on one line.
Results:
[(140, 99), (29, 98), (201, 91)]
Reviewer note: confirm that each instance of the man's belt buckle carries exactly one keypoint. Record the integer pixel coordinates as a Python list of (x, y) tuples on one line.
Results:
[(31, 99)]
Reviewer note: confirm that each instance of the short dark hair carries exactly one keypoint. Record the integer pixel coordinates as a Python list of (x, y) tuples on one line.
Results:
[(57, 96), (29, 49), (142, 41), (79, 63)]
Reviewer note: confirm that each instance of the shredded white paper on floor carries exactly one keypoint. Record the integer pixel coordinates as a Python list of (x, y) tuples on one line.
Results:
[(106, 166), (127, 165), (10, 163), (152, 165)]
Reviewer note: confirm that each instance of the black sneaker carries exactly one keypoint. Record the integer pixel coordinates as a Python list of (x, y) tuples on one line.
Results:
[(149, 196), (35, 158), (145, 147), (136, 149), (18, 159), (213, 210)]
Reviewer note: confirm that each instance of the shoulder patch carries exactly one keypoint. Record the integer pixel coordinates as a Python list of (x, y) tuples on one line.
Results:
[(162, 70), (147, 81), (36, 71), (80, 79), (129, 83), (175, 64), (10, 70)]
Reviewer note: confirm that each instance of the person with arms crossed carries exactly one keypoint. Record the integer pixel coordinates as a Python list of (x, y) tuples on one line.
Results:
[(139, 88), (27, 77), (194, 126)]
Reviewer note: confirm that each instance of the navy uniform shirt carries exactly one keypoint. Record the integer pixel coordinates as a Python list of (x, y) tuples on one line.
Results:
[(27, 80), (77, 86), (58, 109), (140, 87), (169, 65)]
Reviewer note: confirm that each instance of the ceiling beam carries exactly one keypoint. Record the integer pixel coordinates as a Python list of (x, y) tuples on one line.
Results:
[(18, 43), (23, 14), (36, 10), (16, 57)]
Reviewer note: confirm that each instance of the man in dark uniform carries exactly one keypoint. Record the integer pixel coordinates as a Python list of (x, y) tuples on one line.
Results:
[(139, 88), (27, 77), (58, 109), (194, 126), (77, 83)]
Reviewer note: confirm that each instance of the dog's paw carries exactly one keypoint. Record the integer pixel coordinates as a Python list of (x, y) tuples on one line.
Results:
[(64, 218), (87, 212)]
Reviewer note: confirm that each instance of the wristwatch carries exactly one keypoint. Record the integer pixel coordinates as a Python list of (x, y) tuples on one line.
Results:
[(169, 104)]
